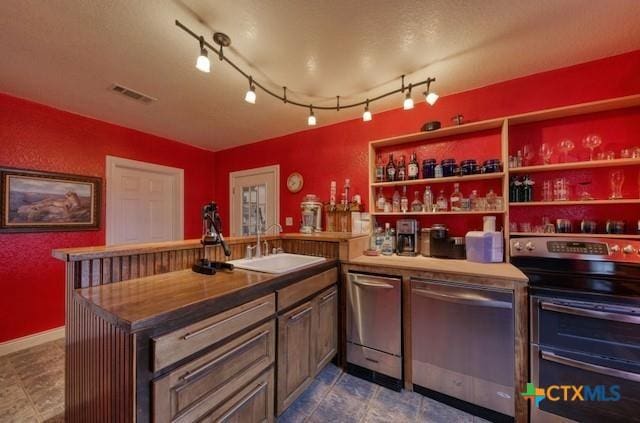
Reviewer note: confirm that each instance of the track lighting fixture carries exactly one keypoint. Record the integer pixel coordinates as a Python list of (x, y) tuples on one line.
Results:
[(250, 96), (202, 63), (366, 116), (222, 40), (408, 101), (311, 121), (430, 97)]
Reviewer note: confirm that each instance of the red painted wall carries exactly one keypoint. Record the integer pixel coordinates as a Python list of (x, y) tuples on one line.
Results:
[(33, 136), (340, 151)]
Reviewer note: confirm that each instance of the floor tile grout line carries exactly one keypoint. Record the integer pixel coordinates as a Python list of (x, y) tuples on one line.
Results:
[(21, 385), (329, 389), (368, 404)]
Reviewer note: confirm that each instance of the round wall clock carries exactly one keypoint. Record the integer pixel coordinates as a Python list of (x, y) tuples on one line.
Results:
[(295, 182)]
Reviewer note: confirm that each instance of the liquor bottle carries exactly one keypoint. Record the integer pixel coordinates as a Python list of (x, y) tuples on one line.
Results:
[(473, 199), (527, 189), (380, 169), (391, 169), (438, 171), (380, 201), (402, 169), (491, 200), (404, 201), (427, 199), (513, 190), (416, 204), (379, 239), (387, 244), (413, 169), (456, 198), (441, 202), (395, 202)]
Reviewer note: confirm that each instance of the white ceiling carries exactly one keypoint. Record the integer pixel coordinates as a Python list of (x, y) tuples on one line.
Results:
[(67, 53)]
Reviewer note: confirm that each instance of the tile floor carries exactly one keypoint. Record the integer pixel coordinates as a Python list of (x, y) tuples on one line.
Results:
[(32, 390)]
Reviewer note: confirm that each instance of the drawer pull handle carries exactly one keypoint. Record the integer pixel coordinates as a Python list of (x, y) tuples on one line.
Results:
[(328, 296), (221, 322), (242, 402), (300, 314), (194, 373)]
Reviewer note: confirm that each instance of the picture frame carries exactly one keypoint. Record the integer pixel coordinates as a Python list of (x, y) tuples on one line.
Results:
[(36, 201)]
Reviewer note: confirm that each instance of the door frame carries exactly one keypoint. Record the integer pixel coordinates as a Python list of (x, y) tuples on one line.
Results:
[(114, 162), (275, 169)]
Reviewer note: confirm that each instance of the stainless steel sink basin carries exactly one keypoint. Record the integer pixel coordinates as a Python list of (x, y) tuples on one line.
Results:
[(277, 263)]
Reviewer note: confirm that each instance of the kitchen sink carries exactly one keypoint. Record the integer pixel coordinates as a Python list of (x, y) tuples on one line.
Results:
[(277, 263)]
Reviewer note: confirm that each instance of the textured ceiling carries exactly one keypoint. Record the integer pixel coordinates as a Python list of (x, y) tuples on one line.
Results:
[(68, 53)]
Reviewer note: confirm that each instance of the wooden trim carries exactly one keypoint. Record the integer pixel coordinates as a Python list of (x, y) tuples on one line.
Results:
[(297, 292), (32, 340), (275, 169)]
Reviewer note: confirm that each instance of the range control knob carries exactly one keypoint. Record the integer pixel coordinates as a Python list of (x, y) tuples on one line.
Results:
[(530, 246), (628, 249), (614, 248), (517, 245)]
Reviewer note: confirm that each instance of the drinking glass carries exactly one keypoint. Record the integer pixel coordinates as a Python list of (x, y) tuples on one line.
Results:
[(565, 146), (547, 191), (546, 150), (584, 192), (528, 154), (561, 189), (616, 178), (591, 141)]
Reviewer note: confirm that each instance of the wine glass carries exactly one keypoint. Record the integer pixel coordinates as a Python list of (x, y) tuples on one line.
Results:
[(616, 178), (565, 146), (528, 154), (546, 150), (591, 142)]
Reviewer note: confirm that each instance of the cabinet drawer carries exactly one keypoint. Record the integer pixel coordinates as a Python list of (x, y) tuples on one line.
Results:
[(193, 390), (300, 290), (253, 404), (174, 346)]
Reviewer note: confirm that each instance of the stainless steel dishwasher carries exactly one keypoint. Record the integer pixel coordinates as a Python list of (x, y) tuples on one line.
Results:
[(374, 331), (463, 343)]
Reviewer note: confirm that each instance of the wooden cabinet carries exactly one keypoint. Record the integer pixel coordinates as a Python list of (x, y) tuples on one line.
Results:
[(307, 341), (296, 353)]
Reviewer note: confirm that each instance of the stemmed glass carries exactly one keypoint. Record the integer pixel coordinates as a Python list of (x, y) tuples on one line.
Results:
[(528, 154), (591, 142), (616, 178), (546, 150), (565, 146)]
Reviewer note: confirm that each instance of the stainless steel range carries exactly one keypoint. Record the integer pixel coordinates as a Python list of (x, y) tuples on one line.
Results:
[(585, 326)]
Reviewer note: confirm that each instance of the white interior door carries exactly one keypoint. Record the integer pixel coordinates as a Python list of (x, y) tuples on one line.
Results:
[(144, 202), (255, 200)]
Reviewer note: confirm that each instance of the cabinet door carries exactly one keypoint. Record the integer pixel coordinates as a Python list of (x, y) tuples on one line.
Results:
[(296, 355), (326, 327)]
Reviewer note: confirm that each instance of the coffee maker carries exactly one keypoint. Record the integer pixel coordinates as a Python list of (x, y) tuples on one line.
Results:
[(407, 243)]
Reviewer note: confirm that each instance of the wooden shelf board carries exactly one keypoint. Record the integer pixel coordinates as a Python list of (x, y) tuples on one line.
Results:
[(572, 235), (576, 110), (448, 131), (437, 213), (431, 181), (577, 202), (576, 165)]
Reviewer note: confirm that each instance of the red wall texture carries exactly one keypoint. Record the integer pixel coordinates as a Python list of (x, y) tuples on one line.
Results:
[(33, 136), (340, 151)]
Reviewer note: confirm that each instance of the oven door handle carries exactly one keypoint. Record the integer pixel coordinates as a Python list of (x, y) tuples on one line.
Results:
[(549, 356), (476, 300), (596, 314)]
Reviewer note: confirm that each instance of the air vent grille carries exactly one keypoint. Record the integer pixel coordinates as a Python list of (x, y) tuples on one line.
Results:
[(133, 94)]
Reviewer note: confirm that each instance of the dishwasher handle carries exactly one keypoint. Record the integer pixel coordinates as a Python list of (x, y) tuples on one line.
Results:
[(373, 282), (476, 300)]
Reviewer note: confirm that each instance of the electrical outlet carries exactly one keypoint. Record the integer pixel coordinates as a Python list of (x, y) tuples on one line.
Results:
[(288, 221)]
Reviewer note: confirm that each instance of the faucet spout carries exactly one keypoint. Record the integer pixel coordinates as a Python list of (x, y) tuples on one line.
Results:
[(259, 232)]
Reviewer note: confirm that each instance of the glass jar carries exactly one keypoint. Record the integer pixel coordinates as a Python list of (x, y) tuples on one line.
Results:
[(448, 167), (429, 168)]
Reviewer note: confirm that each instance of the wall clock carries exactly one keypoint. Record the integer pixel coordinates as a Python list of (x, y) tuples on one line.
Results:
[(295, 182)]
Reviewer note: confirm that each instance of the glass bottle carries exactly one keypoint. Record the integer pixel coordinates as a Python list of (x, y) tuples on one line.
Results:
[(395, 202), (416, 204), (404, 201), (379, 239), (456, 198), (413, 168), (391, 169), (491, 200), (380, 200), (527, 189), (402, 169), (514, 193), (438, 171), (427, 199), (473, 199), (387, 244), (441, 202), (380, 169)]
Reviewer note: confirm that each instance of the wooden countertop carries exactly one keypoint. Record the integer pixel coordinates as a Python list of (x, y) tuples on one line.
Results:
[(139, 304), (88, 253), (461, 267)]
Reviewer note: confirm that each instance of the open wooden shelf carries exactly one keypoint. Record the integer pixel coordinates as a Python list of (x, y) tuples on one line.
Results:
[(576, 235), (576, 202), (593, 164), (444, 180), (437, 213)]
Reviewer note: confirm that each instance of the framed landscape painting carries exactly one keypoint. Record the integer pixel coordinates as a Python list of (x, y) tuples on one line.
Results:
[(34, 201)]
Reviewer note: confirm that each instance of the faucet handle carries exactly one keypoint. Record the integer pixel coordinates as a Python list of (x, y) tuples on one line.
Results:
[(249, 252)]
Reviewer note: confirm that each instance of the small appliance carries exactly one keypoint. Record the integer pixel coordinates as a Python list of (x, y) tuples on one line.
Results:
[(311, 214), (407, 233), (212, 229), (439, 245)]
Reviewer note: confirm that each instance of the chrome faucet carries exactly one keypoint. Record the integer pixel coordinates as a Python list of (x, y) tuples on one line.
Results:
[(258, 246)]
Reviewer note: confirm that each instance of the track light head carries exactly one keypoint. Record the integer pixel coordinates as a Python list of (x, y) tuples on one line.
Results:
[(430, 97), (408, 101), (202, 62), (311, 120), (366, 116), (250, 96)]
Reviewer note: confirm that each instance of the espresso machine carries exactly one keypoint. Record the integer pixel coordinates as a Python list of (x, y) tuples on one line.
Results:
[(311, 214), (212, 235), (407, 237)]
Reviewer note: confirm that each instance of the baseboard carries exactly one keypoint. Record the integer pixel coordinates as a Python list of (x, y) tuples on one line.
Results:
[(29, 341)]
